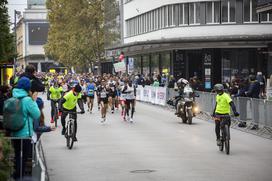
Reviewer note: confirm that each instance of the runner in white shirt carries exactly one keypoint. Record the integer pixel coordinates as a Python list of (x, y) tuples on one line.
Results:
[(130, 92)]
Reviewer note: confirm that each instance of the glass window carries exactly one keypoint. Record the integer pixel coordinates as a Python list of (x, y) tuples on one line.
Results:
[(264, 17), (209, 12), (270, 17), (186, 13), (254, 10), (180, 14), (216, 12), (224, 10), (232, 8), (246, 10), (165, 63), (146, 65), (191, 13), (155, 64), (159, 18), (166, 16), (197, 13), (170, 18)]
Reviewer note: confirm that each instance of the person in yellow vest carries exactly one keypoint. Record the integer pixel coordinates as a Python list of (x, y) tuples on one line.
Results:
[(68, 104), (55, 93)]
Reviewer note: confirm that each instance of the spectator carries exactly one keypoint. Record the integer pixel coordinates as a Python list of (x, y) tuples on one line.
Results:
[(163, 80), (30, 112), (172, 82), (254, 87), (156, 83), (261, 80), (253, 92), (36, 84), (39, 126)]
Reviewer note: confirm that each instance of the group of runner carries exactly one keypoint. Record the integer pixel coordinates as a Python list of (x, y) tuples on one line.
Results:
[(110, 91)]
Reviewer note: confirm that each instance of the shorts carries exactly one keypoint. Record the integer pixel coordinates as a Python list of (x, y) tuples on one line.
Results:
[(128, 101), (104, 100), (91, 97)]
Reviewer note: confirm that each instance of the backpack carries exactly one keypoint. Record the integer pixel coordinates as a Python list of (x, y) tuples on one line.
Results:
[(13, 114)]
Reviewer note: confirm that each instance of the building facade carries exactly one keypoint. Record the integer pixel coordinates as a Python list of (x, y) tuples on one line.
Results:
[(214, 40), (32, 31)]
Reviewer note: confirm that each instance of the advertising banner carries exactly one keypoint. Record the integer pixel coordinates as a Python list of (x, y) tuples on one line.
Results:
[(154, 95), (120, 67)]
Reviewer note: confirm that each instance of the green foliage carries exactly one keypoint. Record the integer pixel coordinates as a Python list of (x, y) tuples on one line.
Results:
[(6, 166), (76, 35), (6, 38)]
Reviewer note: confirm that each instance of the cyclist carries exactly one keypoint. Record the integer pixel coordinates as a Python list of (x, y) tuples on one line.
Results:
[(55, 93), (68, 104), (222, 108), (90, 95)]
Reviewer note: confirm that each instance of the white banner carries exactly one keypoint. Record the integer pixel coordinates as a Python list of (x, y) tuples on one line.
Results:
[(154, 95), (120, 67)]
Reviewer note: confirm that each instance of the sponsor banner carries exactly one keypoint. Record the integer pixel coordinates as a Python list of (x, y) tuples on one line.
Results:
[(120, 67), (154, 95)]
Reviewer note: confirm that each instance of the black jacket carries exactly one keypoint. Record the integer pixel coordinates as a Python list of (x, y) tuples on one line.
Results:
[(36, 84)]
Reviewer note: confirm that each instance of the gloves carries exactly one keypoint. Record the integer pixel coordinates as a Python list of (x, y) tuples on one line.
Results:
[(236, 114)]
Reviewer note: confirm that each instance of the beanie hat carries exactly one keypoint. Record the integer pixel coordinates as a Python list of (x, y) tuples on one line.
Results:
[(39, 102), (24, 83), (78, 88)]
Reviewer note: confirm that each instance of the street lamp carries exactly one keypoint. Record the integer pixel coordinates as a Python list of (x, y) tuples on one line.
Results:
[(15, 36)]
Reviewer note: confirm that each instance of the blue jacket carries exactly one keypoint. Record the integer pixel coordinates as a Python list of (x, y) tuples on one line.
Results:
[(254, 90), (30, 112)]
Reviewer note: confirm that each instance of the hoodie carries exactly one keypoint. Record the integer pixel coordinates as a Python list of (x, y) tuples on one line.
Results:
[(30, 112)]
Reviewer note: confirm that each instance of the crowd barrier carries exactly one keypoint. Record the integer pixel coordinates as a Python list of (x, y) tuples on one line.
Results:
[(36, 168), (255, 111)]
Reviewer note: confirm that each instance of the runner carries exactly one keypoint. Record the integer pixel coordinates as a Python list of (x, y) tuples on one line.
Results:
[(104, 99), (90, 95), (129, 90)]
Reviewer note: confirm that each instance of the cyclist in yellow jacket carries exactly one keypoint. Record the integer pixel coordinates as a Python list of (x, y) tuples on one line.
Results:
[(68, 104)]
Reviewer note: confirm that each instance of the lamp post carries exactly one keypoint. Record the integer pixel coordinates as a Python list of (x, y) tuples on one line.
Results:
[(15, 36)]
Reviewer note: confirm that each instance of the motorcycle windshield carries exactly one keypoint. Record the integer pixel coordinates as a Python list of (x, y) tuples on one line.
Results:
[(188, 92)]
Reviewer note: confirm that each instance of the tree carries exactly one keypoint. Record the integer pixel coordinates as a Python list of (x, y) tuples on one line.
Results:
[(76, 34), (6, 38)]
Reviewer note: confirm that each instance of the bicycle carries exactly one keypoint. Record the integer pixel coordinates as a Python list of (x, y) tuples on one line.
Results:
[(225, 121), (70, 129)]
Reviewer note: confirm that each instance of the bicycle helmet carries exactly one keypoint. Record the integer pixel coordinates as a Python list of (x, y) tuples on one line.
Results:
[(218, 87), (78, 88)]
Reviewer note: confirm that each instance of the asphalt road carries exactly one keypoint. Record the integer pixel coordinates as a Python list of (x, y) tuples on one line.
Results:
[(156, 147)]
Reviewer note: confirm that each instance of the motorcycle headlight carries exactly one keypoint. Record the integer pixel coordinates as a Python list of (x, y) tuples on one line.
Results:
[(196, 109)]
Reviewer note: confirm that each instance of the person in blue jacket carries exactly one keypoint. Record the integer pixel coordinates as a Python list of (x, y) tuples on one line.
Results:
[(30, 113)]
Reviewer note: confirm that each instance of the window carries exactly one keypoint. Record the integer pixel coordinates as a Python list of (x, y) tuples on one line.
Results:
[(266, 17), (212, 12), (37, 33), (166, 16), (180, 14), (250, 13), (209, 12), (170, 15), (194, 13), (186, 14), (228, 9)]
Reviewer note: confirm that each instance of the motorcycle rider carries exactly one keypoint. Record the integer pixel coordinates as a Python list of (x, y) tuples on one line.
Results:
[(179, 86)]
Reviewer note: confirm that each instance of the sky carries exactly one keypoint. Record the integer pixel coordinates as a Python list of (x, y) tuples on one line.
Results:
[(18, 5)]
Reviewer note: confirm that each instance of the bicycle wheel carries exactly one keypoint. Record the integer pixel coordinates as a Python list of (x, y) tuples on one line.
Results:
[(221, 147), (69, 139), (227, 140), (72, 135)]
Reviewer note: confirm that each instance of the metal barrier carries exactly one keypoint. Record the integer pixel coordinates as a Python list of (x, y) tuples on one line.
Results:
[(36, 169), (256, 112)]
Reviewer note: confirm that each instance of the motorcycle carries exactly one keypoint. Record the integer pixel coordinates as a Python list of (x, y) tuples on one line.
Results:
[(186, 107)]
